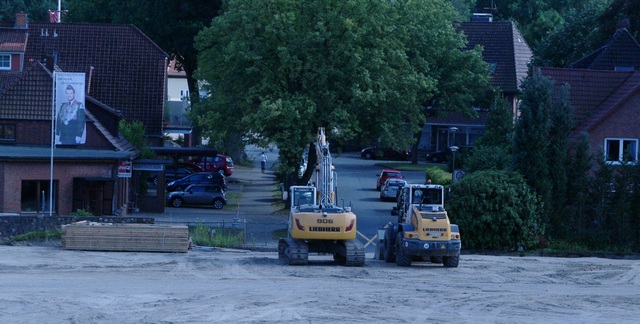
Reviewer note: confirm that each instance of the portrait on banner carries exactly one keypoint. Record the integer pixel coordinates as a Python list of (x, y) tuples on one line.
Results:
[(71, 126)]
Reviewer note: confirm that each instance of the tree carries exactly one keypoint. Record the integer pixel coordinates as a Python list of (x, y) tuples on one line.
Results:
[(170, 24), (37, 10), (278, 70), (578, 186), (561, 124), (579, 34), (531, 151)]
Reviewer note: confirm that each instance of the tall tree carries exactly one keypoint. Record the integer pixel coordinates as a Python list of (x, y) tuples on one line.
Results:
[(578, 186), (531, 140), (579, 34), (561, 124), (278, 70)]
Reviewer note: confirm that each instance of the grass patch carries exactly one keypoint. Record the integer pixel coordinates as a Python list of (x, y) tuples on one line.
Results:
[(408, 166), (37, 236), (216, 236), (233, 199), (277, 234)]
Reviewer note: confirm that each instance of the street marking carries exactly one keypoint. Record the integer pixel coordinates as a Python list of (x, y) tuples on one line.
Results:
[(369, 241)]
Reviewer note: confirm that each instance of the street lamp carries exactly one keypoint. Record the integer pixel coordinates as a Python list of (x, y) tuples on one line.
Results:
[(453, 163), (453, 149)]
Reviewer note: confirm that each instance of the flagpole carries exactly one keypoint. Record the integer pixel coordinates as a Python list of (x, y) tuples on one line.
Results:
[(53, 141)]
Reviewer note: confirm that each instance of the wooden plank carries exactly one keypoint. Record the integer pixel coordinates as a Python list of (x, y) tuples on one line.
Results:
[(125, 237)]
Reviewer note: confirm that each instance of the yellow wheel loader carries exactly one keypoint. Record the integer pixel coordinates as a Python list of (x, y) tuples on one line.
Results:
[(423, 229)]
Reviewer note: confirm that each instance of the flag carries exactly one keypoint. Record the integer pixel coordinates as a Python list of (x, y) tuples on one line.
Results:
[(54, 16)]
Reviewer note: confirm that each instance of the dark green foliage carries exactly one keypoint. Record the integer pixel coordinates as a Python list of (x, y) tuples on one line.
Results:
[(134, 133), (499, 127), (578, 185), (531, 140), (488, 158), (496, 210), (438, 176), (561, 123)]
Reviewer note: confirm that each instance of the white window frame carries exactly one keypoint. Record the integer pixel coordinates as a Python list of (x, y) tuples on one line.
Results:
[(4, 57), (620, 147)]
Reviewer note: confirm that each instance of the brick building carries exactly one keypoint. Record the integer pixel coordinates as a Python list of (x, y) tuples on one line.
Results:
[(124, 78)]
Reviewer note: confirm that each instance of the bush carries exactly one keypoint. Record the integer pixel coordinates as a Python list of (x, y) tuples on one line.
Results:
[(496, 210), (438, 176), (81, 212), (488, 158)]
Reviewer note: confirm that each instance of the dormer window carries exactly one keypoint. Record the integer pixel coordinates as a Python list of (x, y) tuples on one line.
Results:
[(5, 61), (492, 67)]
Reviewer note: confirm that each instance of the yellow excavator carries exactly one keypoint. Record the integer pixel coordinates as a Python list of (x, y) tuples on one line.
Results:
[(316, 223)]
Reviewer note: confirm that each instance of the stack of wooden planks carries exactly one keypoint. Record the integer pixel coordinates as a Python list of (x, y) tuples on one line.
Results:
[(94, 236)]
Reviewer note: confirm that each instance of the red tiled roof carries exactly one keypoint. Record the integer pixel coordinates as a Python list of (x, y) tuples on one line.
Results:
[(588, 88), (593, 94), (127, 70), (28, 96), (14, 40), (503, 46), (628, 89)]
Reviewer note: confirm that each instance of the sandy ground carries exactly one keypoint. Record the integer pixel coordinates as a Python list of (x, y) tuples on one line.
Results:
[(52, 285)]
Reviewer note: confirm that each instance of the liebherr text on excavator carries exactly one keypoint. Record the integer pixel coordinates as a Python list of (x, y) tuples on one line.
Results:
[(316, 223)]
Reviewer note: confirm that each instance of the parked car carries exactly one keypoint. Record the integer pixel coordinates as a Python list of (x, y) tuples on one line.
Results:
[(445, 155), (198, 194), (390, 188), (219, 163), (176, 171), (210, 178), (386, 174), (375, 152), (438, 156)]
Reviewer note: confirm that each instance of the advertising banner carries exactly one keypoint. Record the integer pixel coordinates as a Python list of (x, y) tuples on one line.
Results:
[(70, 123)]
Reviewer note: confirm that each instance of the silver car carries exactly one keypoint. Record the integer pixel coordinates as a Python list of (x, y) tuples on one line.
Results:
[(389, 189), (198, 194)]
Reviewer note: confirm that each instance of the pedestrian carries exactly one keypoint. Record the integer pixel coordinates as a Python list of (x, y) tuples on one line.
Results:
[(428, 180), (263, 161)]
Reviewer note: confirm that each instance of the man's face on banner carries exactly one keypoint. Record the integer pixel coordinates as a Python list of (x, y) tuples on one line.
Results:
[(69, 94)]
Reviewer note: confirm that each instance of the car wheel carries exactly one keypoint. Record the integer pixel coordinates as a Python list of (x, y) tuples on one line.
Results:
[(177, 202), (218, 204), (368, 156)]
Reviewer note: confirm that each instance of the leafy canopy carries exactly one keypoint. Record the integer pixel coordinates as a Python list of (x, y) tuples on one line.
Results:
[(278, 70)]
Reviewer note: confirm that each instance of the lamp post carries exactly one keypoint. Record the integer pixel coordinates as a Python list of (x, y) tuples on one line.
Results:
[(453, 149), (453, 163)]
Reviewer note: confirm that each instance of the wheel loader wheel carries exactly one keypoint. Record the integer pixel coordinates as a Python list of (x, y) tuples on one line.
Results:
[(402, 259), (389, 248), (451, 261), (436, 259)]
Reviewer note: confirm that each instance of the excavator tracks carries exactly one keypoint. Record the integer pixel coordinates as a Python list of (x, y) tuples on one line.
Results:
[(354, 256), (293, 252)]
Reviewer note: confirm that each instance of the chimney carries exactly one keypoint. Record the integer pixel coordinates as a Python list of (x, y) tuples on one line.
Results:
[(21, 20), (624, 23), (482, 17)]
